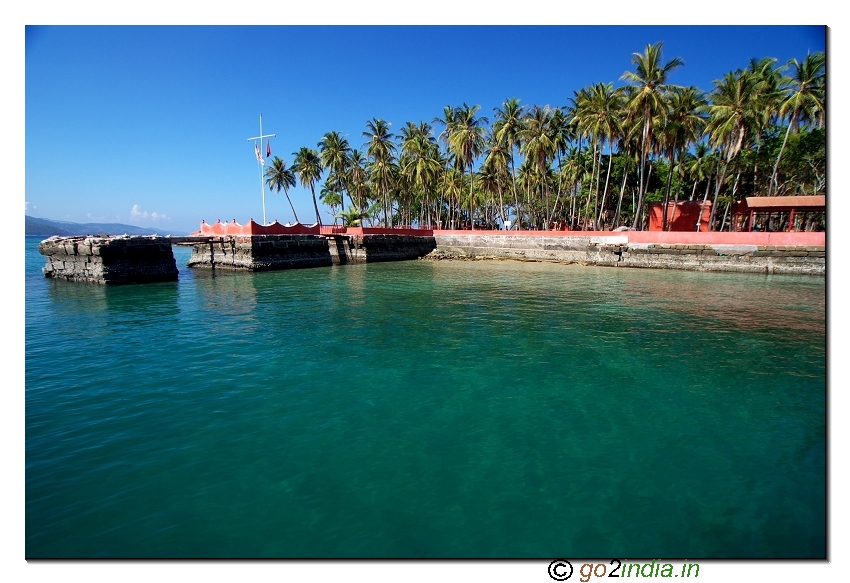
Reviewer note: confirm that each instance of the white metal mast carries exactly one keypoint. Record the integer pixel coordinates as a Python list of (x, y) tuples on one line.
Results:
[(260, 163)]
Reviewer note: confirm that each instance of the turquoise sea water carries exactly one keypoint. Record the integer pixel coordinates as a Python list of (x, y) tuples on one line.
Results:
[(426, 409)]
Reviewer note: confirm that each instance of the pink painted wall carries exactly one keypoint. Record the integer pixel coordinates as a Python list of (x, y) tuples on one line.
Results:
[(376, 231), (252, 228), (678, 237), (726, 238), (658, 237)]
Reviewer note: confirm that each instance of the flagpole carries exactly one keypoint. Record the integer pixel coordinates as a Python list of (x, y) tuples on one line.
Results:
[(262, 186), (261, 164)]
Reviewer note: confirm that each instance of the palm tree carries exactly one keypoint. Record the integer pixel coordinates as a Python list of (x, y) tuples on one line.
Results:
[(598, 115), (351, 217), (279, 177), (768, 95), (330, 196), (467, 142), (647, 100), (507, 128), (496, 162), (806, 99), (335, 153), (420, 164), (357, 180), (682, 126), (538, 147), (381, 149), (561, 133), (308, 167), (732, 115)]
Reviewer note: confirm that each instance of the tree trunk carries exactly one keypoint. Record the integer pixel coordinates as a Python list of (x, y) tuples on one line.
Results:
[(704, 198), (590, 191), (316, 205), (286, 192), (773, 178), (717, 186), (607, 180), (667, 194), (731, 200), (620, 201)]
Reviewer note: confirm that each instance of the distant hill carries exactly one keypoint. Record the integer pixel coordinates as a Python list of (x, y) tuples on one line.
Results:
[(48, 228)]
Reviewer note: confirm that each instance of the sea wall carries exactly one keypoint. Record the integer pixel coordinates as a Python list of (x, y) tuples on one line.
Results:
[(261, 252), (374, 248), (109, 260), (273, 252), (741, 252)]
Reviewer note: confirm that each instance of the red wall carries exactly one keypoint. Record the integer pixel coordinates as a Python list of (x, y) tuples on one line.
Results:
[(682, 216)]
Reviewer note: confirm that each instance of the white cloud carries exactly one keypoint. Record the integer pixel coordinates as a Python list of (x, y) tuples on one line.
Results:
[(30, 206), (138, 213)]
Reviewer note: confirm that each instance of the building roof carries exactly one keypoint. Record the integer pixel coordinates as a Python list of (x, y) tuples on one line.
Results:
[(815, 202)]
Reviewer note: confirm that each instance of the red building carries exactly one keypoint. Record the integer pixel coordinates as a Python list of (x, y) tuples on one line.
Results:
[(780, 213), (681, 216)]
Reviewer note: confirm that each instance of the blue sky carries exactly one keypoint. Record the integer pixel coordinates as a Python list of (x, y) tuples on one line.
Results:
[(149, 125)]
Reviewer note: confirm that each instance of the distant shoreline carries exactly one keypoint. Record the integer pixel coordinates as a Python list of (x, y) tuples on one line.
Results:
[(39, 227)]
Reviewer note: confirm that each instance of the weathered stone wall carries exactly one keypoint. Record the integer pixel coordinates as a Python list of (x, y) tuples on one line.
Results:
[(262, 252), (616, 250), (109, 260), (562, 249), (800, 259), (374, 248), (268, 252)]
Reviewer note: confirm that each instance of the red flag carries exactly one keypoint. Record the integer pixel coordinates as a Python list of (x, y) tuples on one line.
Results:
[(268, 148)]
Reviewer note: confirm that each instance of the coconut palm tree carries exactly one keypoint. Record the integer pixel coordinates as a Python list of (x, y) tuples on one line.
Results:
[(358, 180), (496, 167), (336, 156), (539, 148), (806, 101), (732, 114), (647, 101), (509, 123), (330, 196), (599, 112), (279, 177), (421, 165), (381, 149), (308, 167), (561, 133), (683, 124), (351, 217), (467, 143), (767, 95)]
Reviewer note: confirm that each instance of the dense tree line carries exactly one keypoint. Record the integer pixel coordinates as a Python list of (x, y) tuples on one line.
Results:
[(595, 163)]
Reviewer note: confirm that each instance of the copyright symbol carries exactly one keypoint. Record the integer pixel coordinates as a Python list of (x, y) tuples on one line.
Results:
[(560, 570)]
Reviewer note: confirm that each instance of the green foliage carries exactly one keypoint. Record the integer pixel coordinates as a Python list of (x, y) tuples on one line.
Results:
[(758, 132)]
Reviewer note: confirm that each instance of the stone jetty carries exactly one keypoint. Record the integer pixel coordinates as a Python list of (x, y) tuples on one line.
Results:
[(119, 260), (109, 260), (770, 253), (274, 252)]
